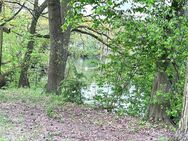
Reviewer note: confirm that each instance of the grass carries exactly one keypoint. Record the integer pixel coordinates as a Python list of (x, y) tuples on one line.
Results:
[(33, 97), (50, 104), (1, 139), (163, 139), (30, 97)]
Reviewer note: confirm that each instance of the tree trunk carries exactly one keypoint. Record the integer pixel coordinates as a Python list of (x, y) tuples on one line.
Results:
[(1, 37), (67, 33), (182, 132), (160, 88), (23, 80), (1, 48), (157, 109), (2, 81), (58, 53)]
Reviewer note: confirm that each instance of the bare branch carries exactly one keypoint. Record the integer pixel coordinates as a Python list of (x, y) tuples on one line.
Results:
[(37, 12), (93, 30), (47, 36), (90, 34), (13, 16), (14, 2), (97, 38)]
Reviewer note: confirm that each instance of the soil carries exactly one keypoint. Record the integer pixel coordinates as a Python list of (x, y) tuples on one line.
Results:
[(30, 122)]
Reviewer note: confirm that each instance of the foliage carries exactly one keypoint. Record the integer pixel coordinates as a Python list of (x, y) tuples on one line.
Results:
[(140, 46), (137, 53), (71, 87), (15, 46)]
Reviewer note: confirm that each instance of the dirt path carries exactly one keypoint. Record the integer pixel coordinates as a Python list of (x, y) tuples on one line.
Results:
[(72, 123)]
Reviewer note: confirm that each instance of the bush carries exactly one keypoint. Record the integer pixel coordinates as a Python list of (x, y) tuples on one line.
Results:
[(71, 87)]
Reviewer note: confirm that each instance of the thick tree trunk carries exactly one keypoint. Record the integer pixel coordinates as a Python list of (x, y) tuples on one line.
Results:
[(157, 109), (67, 33), (58, 53), (23, 80), (182, 132)]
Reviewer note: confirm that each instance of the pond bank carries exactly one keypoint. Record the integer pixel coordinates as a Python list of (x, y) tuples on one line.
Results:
[(22, 120)]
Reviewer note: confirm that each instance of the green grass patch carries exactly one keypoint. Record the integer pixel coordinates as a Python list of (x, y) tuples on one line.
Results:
[(3, 98), (24, 95), (1, 139), (56, 101), (33, 97), (163, 139)]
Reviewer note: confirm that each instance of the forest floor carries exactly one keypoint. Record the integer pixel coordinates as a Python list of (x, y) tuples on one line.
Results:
[(32, 117)]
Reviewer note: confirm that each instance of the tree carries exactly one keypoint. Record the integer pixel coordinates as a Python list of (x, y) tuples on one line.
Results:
[(37, 11), (6, 30), (149, 49), (162, 84), (58, 40), (60, 31), (182, 132)]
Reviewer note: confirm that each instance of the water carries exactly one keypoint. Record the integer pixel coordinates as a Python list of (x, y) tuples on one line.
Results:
[(93, 90), (122, 102)]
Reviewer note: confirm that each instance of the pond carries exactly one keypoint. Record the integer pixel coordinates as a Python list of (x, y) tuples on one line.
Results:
[(108, 100)]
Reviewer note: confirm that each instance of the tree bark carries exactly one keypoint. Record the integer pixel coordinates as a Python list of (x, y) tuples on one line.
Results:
[(58, 52), (1, 48), (64, 9), (182, 132), (157, 110), (161, 84), (23, 80), (2, 78)]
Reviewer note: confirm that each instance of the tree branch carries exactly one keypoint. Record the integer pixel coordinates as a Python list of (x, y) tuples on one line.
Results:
[(15, 2), (96, 37), (93, 30), (13, 16), (90, 34)]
